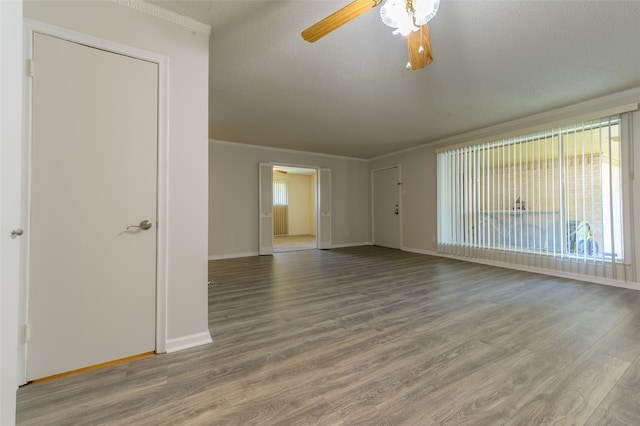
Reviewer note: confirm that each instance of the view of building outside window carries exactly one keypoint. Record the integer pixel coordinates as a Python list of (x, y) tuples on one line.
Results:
[(556, 193)]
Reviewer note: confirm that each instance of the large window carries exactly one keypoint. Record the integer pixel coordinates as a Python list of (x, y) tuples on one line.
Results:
[(556, 193)]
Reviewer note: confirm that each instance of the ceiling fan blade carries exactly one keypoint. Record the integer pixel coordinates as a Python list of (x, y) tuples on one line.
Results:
[(337, 19), (416, 39)]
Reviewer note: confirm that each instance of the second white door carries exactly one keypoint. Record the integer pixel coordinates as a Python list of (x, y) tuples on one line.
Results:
[(386, 207)]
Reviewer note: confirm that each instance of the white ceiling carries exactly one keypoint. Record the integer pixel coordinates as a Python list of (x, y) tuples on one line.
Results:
[(349, 93)]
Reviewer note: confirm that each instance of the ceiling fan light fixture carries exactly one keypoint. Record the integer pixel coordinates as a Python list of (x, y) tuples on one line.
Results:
[(425, 10), (408, 15)]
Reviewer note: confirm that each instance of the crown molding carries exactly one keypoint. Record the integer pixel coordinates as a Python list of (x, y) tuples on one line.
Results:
[(167, 15), (617, 101), (292, 151)]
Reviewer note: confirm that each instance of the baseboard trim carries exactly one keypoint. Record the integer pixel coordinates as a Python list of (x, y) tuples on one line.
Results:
[(343, 245), (233, 255), (551, 272), (421, 251), (255, 253), (190, 341), (93, 367)]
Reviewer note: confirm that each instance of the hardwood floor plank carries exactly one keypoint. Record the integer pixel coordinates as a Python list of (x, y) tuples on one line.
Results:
[(620, 407), (495, 399), (374, 336), (573, 394)]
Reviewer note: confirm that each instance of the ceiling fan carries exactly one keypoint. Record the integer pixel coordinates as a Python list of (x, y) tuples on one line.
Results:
[(409, 17)]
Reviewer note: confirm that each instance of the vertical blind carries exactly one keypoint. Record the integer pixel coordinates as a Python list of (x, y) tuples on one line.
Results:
[(280, 193), (555, 194)]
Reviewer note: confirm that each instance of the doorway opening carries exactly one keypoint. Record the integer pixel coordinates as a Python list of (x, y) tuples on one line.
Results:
[(294, 209)]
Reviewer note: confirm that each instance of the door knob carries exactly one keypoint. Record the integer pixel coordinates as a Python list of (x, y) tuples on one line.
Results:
[(144, 225), (16, 233)]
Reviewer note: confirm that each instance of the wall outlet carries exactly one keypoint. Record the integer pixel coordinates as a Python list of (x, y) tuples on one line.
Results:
[(231, 241)]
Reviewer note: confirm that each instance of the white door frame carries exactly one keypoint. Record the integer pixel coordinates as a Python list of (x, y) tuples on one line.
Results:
[(31, 27), (373, 231), (324, 208), (265, 209), (11, 195), (320, 215)]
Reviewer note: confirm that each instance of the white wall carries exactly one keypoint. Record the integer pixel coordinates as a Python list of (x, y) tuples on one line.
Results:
[(10, 201), (419, 174), (301, 204), (188, 53), (233, 202)]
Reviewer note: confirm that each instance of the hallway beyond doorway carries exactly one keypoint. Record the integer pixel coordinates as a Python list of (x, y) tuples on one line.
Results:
[(293, 243)]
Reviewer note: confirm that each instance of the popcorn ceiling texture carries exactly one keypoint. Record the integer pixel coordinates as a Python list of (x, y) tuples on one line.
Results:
[(349, 93)]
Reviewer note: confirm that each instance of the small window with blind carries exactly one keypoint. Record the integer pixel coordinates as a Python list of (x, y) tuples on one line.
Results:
[(280, 208), (556, 193), (280, 193)]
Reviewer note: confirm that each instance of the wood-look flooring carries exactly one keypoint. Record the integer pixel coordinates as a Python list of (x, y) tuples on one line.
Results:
[(373, 336), (283, 243)]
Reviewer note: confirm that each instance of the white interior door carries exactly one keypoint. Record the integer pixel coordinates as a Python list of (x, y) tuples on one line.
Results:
[(265, 209), (324, 208), (92, 280), (386, 207)]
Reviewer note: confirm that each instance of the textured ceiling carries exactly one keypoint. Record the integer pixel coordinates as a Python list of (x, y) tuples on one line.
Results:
[(349, 93)]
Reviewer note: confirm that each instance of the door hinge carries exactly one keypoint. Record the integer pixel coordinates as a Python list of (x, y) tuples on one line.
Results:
[(31, 68), (27, 332)]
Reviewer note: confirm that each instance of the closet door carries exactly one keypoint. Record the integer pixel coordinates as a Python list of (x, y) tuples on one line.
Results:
[(92, 231)]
